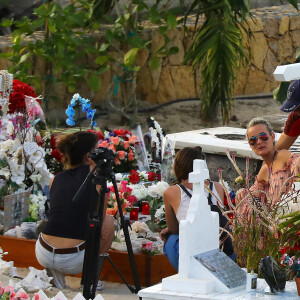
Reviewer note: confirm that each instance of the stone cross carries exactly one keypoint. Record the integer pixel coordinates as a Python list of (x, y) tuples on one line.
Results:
[(287, 72), (199, 232)]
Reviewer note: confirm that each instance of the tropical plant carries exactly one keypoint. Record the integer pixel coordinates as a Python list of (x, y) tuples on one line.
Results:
[(219, 50)]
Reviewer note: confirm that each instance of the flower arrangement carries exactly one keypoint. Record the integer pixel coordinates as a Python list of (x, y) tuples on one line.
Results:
[(126, 199), (21, 158), (264, 229), (147, 249), (17, 97), (292, 262), (136, 176), (78, 102), (37, 206), (121, 142), (52, 155), (8, 293)]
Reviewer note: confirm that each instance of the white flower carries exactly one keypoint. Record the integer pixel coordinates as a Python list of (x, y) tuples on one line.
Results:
[(139, 191), (7, 145), (76, 96), (36, 178), (157, 190), (160, 211), (119, 176)]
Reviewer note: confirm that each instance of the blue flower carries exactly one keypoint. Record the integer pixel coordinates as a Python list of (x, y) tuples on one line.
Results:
[(93, 124), (90, 114), (70, 122), (74, 99), (70, 111), (86, 107)]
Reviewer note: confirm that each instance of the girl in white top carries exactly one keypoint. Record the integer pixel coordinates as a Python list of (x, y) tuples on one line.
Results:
[(177, 201)]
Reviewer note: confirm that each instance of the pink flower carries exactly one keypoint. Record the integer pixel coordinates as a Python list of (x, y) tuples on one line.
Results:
[(36, 297), (22, 295), (104, 144), (12, 296), (121, 155), (1, 290), (117, 161), (123, 188), (112, 147), (130, 156), (147, 246), (126, 145), (133, 139), (115, 140), (131, 199), (8, 289)]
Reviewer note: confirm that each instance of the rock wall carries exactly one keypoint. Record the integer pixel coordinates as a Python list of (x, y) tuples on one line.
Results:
[(276, 36)]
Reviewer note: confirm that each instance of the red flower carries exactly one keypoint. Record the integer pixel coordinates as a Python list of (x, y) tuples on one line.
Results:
[(132, 199), (151, 176), (134, 177), (123, 133), (53, 141), (56, 154), (17, 98), (98, 133)]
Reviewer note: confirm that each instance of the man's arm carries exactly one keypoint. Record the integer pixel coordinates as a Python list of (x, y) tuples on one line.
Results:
[(285, 141)]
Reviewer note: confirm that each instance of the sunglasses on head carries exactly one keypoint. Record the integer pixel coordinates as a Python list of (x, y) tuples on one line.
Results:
[(253, 140)]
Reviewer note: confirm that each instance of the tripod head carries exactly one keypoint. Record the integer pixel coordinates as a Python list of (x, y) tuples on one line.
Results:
[(104, 159)]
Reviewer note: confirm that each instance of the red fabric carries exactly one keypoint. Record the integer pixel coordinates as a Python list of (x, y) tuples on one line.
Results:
[(292, 125)]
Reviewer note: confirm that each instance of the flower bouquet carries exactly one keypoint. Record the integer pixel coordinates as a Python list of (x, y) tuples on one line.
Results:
[(121, 142), (126, 199), (292, 263)]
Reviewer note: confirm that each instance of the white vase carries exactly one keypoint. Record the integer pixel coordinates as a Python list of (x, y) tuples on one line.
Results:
[(251, 282)]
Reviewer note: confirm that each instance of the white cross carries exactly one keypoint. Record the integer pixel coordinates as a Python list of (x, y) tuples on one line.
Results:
[(287, 72)]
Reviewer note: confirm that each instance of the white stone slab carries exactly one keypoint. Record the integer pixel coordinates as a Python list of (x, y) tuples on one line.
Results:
[(210, 143), (262, 292), (287, 72)]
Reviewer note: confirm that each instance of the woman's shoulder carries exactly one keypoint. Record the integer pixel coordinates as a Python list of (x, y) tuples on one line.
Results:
[(284, 155), (171, 190)]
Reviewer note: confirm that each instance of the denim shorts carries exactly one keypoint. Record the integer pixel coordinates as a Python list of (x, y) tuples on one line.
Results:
[(66, 263)]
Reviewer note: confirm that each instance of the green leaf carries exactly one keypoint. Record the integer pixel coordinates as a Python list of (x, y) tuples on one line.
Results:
[(94, 83), (171, 20), (104, 47), (101, 60), (130, 56), (154, 63), (24, 58), (6, 23), (173, 50), (280, 93)]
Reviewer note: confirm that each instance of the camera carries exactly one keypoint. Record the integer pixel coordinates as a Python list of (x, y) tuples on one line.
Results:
[(102, 155)]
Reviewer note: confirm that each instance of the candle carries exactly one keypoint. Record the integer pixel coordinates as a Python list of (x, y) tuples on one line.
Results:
[(134, 213), (145, 208)]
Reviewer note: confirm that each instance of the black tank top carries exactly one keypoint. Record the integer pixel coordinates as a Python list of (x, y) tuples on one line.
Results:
[(66, 218)]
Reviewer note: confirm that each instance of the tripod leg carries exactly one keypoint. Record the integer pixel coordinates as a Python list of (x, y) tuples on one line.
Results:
[(101, 259)]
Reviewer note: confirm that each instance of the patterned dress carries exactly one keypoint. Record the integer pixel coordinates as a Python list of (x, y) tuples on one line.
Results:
[(278, 184)]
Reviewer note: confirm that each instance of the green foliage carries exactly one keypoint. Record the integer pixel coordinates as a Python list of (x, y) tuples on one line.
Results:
[(60, 48), (219, 51)]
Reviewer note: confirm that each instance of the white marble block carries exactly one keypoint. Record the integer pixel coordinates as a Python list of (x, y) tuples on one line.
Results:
[(287, 72)]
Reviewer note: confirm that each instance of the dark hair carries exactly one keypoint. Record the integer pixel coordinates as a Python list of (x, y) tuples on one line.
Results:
[(183, 164), (75, 146)]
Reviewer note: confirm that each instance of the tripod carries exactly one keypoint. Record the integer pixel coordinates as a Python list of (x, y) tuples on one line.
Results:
[(93, 262)]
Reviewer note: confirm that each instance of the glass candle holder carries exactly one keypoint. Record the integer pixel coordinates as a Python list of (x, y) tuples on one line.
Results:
[(145, 208), (134, 213)]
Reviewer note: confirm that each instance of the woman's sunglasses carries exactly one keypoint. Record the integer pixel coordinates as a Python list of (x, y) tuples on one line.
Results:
[(253, 140)]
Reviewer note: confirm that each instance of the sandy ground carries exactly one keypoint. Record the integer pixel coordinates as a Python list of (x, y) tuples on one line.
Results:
[(185, 116), (173, 118)]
